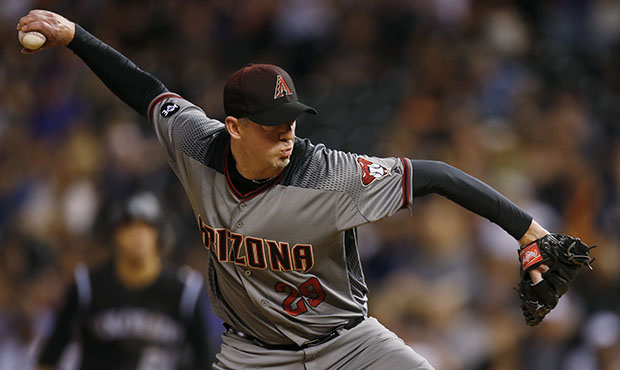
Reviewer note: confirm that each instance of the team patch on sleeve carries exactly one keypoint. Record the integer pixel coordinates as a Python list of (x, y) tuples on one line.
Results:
[(169, 109), (372, 171), (157, 100)]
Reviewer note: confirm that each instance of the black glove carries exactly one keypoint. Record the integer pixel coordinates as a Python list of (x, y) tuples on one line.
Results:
[(564, 255)]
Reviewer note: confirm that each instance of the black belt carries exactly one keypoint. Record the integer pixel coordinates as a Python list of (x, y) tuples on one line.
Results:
[(295, 347)]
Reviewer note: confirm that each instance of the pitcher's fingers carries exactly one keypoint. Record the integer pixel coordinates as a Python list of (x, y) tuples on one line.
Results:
[(40, 26), (28, 18), (536, 276)]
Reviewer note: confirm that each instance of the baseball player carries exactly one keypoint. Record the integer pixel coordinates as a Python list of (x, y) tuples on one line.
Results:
[(278, 214), (132, 313)]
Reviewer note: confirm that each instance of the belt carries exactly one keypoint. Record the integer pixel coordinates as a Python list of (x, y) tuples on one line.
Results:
[(295, 347)]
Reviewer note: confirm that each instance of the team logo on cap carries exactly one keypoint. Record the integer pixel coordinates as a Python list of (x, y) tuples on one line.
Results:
[(372, 171), (282, 88)]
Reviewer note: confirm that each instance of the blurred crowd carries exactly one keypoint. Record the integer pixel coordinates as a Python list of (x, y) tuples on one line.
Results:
[(524, 95)]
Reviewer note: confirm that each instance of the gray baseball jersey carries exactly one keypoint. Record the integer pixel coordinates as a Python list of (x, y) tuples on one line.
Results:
[(283, 264)]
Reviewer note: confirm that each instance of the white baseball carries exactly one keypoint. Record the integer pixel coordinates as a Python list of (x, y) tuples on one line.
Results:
[(31, 40)]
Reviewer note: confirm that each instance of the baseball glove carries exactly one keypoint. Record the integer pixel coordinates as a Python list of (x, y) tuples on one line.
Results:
[(564, 255)]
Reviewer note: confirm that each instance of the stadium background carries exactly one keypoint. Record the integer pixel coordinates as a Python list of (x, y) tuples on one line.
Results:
[(522, 94)]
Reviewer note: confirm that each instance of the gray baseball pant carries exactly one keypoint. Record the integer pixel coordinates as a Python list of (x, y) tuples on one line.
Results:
[(369, 345)]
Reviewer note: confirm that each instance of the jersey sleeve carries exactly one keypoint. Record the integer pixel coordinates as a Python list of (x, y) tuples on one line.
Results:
[(365, 189), (63, 328), (377, 188), (193, 310), (182, 128), (198, 333)]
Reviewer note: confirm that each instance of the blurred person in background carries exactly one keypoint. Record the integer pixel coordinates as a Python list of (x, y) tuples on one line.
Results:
[(132, 312)]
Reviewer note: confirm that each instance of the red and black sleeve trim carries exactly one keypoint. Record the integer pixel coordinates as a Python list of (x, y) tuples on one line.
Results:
[(406, 182), (157, 100)]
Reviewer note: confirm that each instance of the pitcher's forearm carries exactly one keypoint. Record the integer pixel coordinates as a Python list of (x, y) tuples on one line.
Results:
[(470, 193), (127, 81), (132, 85)]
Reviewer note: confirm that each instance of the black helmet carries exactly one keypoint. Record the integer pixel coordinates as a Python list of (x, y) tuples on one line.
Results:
[(141, 206)]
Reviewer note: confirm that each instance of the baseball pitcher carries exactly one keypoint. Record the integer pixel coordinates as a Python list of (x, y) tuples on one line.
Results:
[(278, 215)]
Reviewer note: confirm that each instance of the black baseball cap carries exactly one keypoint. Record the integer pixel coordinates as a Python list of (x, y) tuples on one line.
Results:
[(264, 93)]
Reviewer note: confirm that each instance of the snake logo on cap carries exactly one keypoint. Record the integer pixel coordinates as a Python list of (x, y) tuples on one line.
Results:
[(282, 88)]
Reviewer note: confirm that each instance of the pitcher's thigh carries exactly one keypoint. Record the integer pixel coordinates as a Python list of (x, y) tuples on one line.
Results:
[(372, 346), (237, 353)]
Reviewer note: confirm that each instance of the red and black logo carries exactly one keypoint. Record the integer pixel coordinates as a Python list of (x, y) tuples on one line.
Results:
[(282, 88), (371, 171)]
